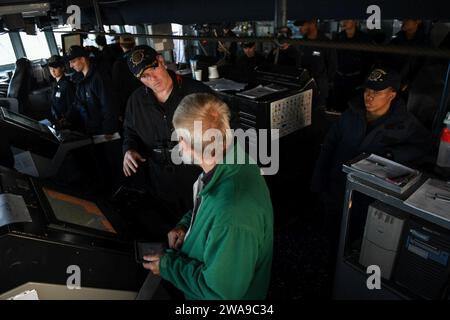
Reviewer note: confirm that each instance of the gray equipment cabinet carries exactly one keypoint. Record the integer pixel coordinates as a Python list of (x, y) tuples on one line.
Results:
[(351, 277)]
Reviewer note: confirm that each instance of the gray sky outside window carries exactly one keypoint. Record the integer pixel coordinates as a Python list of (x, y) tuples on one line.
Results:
[(36, 46), (7, 52)]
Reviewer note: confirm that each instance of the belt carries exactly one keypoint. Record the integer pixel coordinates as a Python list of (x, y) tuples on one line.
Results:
[(162, 155)]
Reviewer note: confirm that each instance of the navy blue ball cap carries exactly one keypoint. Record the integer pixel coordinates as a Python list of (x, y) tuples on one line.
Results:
[(247, 44), (55, 61), (142, 58), (380, 79), (76, 52)]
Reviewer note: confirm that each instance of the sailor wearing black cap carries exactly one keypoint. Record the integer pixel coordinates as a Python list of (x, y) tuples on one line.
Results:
[(376, 122), (95, 105), (352, 66), (63, 94), (148, 129), (284, 54), (320, 62), (93, 95), (227, 50), (248, 61)]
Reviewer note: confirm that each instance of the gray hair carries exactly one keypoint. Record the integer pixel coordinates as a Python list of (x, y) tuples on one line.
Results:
[(206, 108)]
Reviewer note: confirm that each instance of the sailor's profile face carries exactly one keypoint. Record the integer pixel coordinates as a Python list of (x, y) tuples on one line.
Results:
[(378, 101), (56, 72), (250, 51), (77, 64)]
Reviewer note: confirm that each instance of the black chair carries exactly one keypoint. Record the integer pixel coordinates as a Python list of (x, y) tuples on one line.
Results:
[(20, 84)]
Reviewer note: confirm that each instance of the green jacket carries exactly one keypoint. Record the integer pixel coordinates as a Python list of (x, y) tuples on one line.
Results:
[(228, 251)]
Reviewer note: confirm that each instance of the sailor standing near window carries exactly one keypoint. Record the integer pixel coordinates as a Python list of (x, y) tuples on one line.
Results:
[(63, 94), (96, 107)]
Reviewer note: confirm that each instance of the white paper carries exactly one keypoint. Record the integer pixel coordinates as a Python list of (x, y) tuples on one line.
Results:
[(385, 173), (225, 84), (383, 168), (26, 295), (13, 209), (425, 198), (291, 113), (261, 91)]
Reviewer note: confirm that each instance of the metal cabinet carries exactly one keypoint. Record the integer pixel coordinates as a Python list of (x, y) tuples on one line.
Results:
[(351, 277)]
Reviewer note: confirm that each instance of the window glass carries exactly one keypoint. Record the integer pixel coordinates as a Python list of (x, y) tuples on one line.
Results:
[(90, 40), (115, 28), (7, 55), (177, 30), (130, 29), (36, 46)]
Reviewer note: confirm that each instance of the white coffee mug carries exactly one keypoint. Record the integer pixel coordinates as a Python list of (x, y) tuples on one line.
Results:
[(198, 75), (213, 73)]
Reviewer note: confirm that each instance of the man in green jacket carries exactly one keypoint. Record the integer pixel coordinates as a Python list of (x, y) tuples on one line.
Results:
[(222, 249)]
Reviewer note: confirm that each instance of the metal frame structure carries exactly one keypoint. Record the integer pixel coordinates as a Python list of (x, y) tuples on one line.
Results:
[(350, 281)]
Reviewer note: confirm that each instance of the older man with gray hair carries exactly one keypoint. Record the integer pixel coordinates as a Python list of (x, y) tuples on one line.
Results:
[(222, 249)]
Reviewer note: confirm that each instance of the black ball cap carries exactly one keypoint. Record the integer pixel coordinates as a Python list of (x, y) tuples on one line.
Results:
[(380, 79), (142, 58), (55, 61), (76, 52), (247, 44)]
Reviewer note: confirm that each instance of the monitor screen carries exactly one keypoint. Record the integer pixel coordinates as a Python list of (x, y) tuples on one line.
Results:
[(69, 40), (70, 209), (23, 121)]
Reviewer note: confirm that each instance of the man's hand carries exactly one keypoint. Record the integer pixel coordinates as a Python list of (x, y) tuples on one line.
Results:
[(176, 237), (153, 263), (130, 162)]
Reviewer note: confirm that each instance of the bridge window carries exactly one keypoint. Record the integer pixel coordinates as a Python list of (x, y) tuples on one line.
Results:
[(130, 29), (36, 46), (62, 29), (7, 55), (90, 40), (177, 30), (114, 28)]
